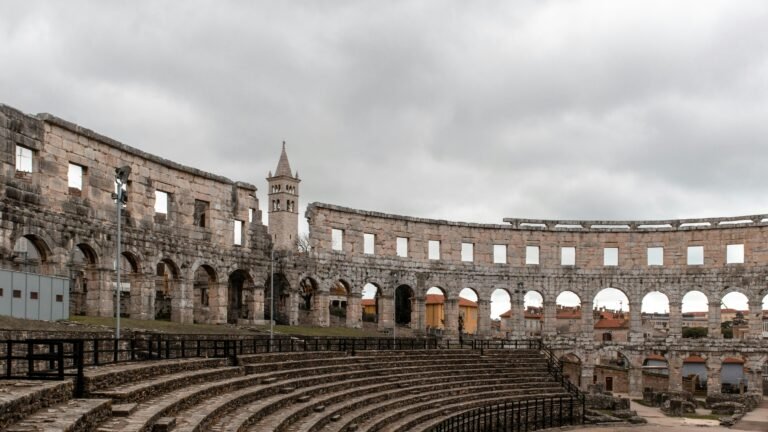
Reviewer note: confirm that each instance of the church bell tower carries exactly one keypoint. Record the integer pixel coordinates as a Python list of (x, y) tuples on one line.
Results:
[(283, 205)]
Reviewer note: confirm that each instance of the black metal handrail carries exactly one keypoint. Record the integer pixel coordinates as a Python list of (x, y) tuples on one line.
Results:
[(555, 368), (515, 416)]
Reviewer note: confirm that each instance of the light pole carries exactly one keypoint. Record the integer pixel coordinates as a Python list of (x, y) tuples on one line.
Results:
[(394, 316), (121, 197), (272, 296)]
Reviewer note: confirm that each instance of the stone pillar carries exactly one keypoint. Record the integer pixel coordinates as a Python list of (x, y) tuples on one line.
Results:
[(587, 324), (182, 308), (753, 372), (714, 321), (292, 307), (549, 316), (386, 312), (675, 325), (451, 316), (714, 368), (636, 323), (322, 313), (218, 302), (483, 317), (100, 299), (755, 319), (354, 310), (518, 313), (418, 315), (587, 374), (635, 381), (257, 305), (139, 294), (675, 367)]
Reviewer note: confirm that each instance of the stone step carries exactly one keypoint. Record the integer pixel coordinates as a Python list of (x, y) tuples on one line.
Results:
[(123, 410), (22, 398), (110, 376), (73, 415), (164, 424), (163, 384)]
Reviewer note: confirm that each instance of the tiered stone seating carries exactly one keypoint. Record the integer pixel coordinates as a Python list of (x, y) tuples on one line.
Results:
[(301, 391)]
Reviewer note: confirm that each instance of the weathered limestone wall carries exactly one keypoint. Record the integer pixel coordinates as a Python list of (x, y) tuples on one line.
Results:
[(58, 220)]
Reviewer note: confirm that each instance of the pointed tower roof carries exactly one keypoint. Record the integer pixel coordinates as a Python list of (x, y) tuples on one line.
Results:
[(283, 166)]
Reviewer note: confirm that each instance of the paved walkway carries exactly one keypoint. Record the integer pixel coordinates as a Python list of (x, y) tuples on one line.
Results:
[(757, 420)]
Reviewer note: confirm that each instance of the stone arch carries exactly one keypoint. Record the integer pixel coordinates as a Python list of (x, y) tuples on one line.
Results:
[(31, 253), (434, 304), (733, 379), (613, 369), (404, 296), (338, 300), (571, 366), (282, 288), (369, 302), (568, 312), (655, 372), (734, 313), (167, 281), (655, 314), (84, 276), (205, 295), (533, 312), (239, 296), (694, 374), (469, 318)]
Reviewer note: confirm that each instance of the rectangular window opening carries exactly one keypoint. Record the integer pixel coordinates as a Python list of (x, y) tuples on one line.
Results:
[(23, 159), (402, 247), (734, 254), (238, 232), (532, 255), (610, 256), (369, 241), (695, 255), (59, 298), (499, 254), (161, 202), (655, 256), (568, 256), (467, 252), (337, 239), (75, 177), (16, 293), (33, 295), (250, 215), (434, 249), (200, 216)]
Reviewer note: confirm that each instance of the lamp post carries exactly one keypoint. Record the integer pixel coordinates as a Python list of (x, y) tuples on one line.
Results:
[(121, 197), (394, 316)]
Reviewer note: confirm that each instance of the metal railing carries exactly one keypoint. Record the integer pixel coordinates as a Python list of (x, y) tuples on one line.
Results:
[(555, 368), (515, 416)]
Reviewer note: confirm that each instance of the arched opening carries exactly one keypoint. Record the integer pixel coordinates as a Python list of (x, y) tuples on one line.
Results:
[(29, 253), (203, 288), (166, 282), (282, 289), (501, 312), (568, 315), (694, 375), (655, 372), (732, 377), (612, 370), (403, 304), (435, 309), (129, 283), (734, 316), (337, 303), (82, 269), (239, 296), (468, 311), (610, 308), (695, 313), (655, 314), (533, 303), (571, 364), (370, 303)]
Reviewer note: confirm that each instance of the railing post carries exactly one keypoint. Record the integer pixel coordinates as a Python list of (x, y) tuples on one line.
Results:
[(9, 359), (79, 358)]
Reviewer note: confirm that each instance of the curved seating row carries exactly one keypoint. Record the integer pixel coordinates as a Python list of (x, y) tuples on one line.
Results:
[(393, 391)]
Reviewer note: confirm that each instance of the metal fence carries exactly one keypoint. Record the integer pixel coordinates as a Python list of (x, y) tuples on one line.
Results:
[(516, 416)]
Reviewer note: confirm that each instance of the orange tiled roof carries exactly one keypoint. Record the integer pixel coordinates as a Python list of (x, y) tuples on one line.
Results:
[(694, 359), (733, 360), (611, 323), (368, 302), (655, 357), (440, 299)]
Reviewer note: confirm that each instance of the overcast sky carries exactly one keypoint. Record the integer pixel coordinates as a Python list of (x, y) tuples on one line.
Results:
[(465, 111)]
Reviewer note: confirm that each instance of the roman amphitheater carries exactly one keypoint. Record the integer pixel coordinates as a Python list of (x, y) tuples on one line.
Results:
[(194, 250)]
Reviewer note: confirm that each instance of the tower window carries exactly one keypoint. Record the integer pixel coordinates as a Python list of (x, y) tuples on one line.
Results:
[(199, 218), (532, 255), (434, 249), (499, 254), (734, 254), (75, 178), (611, 256), (467, 252), (250, 215), (568, 256), (369, 241), (695, 255), (655, 256)]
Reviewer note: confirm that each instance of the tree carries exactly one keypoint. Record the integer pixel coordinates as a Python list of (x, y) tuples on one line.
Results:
[(726, 328), (695, 332), (302, 243)]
